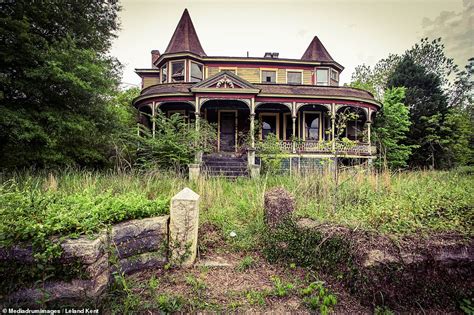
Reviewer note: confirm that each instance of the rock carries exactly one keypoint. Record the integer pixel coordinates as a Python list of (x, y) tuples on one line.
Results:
[(139, 236), (142, 261), (279, 205), (84, 249), (20, 253)]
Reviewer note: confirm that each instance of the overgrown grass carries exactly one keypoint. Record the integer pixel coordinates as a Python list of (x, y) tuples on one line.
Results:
[(80, 202)]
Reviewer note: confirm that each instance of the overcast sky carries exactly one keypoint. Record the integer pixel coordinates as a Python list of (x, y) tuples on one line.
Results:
[(354, 32)]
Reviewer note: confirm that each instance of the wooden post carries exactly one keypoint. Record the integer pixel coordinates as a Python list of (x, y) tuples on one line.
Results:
[(252, 123), (333, 126), (153, 123), (294, 134)]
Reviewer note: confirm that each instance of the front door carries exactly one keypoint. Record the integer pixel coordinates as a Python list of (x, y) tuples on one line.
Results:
[(227, 126)]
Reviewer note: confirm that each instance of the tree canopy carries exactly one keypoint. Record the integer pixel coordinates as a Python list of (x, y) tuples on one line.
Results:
[(56, 82)]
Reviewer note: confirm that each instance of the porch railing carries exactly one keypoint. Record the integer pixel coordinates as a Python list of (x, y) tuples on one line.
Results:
[(357, 148)]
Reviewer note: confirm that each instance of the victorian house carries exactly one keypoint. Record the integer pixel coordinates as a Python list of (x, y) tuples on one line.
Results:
[(297, 100)]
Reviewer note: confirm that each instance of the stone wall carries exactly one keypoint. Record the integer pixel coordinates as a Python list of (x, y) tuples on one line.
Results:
[(126, 247)]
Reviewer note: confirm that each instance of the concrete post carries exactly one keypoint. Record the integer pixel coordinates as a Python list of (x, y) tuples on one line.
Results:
[(194, 171), (184, 222)]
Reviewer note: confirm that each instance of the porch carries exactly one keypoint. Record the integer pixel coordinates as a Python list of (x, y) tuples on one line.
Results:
[(300, 128)]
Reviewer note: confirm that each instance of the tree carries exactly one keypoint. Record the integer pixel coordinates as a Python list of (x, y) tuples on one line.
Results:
[(428, 107), (56, 82), (390, 130)]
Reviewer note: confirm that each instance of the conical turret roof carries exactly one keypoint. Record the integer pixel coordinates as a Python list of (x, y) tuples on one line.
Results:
[(316, 51), (185, 38)]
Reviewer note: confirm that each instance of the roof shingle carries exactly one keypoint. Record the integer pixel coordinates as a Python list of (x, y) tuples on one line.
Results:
[(316, 51), (185, 38)]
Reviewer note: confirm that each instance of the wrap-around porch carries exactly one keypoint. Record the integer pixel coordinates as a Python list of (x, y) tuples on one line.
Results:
[(300, 128)]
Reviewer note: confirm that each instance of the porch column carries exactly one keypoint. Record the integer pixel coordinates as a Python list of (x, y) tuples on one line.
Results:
[(293, 143), (197, 112), (368, 137), (368, 131), (153, 123), (333, 127), (252, 123)]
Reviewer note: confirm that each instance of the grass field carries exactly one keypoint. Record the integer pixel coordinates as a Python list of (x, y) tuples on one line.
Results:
[(79, 202)]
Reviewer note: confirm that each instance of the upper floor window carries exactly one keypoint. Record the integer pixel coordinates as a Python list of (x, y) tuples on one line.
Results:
[(196, 72), (268, 76), (177, 71), (294, 77), (322, 77), (334, 75), (164, 73)]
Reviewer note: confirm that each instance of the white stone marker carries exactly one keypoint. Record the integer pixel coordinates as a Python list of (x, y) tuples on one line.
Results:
[(184, 222)]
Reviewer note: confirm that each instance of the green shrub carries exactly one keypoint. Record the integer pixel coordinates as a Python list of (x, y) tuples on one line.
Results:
[(246, 263)]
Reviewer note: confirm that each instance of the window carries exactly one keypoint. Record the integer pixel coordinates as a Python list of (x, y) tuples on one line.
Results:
[(269, 124), (164, 74), (268, 76), (177, 71), (196, 72), (312, 123), (334, 75), (294, 77), (322, 77)]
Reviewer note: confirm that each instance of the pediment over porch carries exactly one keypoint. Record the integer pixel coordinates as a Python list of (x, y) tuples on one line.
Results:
[(225, 82)]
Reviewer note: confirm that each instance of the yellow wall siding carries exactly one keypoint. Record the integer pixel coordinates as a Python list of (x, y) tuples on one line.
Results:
[(281, 76), (147, 81), (307, 77), (250, 74), (211, 71)]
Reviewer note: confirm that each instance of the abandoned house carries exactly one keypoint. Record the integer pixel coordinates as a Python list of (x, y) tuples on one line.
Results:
[(297, 100)]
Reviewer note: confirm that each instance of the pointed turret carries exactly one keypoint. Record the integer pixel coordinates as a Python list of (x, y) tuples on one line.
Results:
[(316, 51), (185, 38)]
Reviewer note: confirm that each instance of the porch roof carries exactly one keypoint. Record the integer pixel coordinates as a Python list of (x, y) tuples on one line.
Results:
[(268, 90)]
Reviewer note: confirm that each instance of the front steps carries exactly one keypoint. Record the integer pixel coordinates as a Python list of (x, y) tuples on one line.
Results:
[(225, 165)]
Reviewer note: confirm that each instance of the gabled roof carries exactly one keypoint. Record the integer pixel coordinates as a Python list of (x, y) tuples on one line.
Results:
[(185, 38), (316, 51), (225, 81)]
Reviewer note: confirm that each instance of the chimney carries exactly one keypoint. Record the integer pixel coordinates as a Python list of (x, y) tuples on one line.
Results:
[(155, 54), (271, 55)]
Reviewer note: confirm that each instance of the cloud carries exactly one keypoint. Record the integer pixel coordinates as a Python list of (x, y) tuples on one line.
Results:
[(456, 30)]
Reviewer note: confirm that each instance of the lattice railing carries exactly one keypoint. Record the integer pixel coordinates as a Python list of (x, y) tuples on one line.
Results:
[(357, 148)]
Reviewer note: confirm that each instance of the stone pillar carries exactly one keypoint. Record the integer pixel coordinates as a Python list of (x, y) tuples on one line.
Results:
[(194, 171), (254, 171), (184, 222), (251, 156)]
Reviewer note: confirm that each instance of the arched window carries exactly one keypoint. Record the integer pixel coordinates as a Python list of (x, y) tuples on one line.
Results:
[(312, 125)]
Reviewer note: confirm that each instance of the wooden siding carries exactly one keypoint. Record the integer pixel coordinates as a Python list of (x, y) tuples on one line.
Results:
[(253, 74), (250, 74), (212, 70), (147, 81), (307, 77), (281, 76)]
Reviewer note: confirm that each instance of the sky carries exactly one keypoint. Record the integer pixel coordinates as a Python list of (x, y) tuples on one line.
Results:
[(354, 32)]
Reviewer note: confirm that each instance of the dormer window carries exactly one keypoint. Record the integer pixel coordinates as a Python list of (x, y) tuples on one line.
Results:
[(322, 77), (196, 72), (177, 71), (294, 77), (164, 73), (334, 75), (268, 76)]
